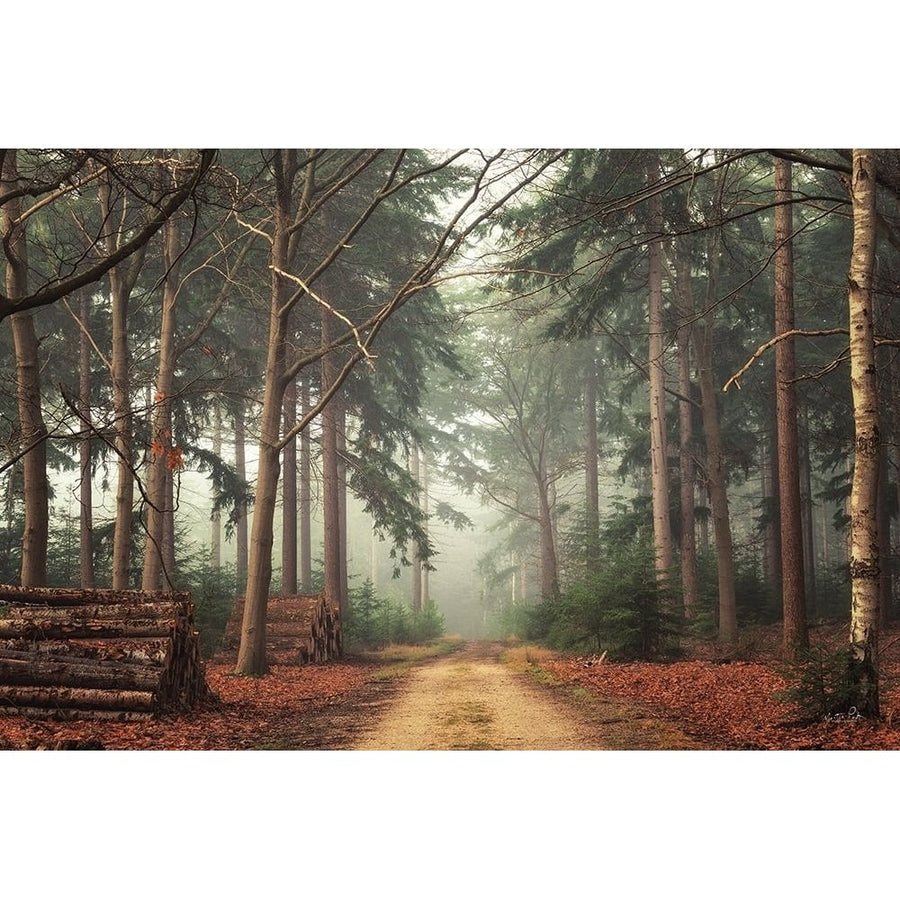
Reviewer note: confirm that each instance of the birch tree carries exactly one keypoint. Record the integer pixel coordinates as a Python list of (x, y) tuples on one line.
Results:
[(865, 561)]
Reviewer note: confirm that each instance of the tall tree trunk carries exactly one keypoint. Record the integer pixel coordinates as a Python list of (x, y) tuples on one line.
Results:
[(86, 501), (591, 476), (168, 536), (33, 572), (549, 564), (252, 651), (417, 562), (426, 586), (33, 434), (215, 542), (162, 456), (703, 524), (330, 478), (342, 497), (715, 467), (806, 511), (241, 538), (121, 562), (718, 493), (122, 279), (793, 589), (865, 563), (664, 555), (289, 497), (772, 535), (305, 493), (690, 579)]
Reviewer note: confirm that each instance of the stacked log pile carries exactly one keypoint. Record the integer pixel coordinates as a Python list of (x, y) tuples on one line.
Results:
[(299, 630), (79, 654)]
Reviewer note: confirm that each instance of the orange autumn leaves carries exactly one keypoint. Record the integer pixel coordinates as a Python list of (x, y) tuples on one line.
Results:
[(174, 456), (252, 713), (731, 706), (163, 447)]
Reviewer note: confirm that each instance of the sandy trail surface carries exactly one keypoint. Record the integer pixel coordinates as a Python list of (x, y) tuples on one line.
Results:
[(472, 701)]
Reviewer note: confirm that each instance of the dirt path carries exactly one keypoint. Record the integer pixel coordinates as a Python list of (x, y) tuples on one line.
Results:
[(472, 701)]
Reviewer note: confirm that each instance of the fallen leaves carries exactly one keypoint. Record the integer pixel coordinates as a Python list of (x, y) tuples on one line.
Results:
[(732, 705), (727, 705), (251, 713)]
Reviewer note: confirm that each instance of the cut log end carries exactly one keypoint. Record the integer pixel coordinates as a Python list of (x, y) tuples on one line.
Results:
[(300, 630)]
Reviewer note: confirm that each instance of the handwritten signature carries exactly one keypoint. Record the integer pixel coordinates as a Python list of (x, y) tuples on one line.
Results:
[(852, 713)]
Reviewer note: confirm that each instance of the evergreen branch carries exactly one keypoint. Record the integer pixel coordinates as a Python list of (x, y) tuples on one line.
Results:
[(217, 304), (50, 293), (91, 428)]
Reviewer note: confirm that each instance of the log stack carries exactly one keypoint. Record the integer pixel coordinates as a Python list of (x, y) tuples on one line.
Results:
[(95, 654), (299, 630)]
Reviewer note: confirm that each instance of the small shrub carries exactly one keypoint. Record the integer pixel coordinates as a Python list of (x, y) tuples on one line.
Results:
[(374, 622), (427, 625), (623, 610), (821, 682), (566, 634), (537, 622), (363, 625), (213, 592), (620, 609)]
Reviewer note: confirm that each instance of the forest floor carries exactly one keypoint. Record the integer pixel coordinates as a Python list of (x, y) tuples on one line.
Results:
[(733, 703), (495, 696)]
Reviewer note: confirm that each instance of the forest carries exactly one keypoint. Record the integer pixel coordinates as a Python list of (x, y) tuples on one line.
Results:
[(612, 402)]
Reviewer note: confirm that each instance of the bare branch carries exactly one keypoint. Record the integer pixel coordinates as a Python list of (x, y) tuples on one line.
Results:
[(795, 332), (326, 305), (87, 334)]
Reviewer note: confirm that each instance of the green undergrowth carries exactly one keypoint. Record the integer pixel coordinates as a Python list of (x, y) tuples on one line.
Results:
[(375, 622)]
